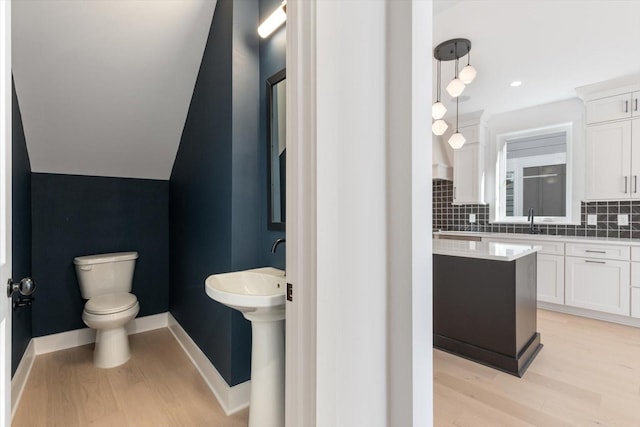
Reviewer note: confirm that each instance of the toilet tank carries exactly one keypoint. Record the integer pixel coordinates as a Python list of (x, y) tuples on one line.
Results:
[(105, 273)]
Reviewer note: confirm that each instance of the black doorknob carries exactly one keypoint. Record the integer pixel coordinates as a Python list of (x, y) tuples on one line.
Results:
[(25, 286)]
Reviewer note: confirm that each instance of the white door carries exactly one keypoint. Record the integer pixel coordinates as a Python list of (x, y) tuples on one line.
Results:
[(608, 165), (5, 211)]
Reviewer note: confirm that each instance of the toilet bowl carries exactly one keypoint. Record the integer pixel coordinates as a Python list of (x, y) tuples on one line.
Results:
[(105, 282)]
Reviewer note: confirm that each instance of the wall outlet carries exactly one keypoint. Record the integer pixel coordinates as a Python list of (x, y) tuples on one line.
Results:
[(472, 218), (592, 219), (623, 219)]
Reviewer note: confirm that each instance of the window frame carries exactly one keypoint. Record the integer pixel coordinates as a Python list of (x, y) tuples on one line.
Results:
[(501, 168)]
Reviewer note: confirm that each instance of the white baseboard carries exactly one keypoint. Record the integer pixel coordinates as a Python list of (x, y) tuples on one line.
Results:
[(591, 314), (69, 339), (19, 380), (231, 399)]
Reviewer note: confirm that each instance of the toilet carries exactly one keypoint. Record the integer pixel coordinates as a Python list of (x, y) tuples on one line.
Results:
[(105, 282)]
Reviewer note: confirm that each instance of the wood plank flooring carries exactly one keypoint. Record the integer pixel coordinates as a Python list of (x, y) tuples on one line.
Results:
[(587, 374), (157, 387)]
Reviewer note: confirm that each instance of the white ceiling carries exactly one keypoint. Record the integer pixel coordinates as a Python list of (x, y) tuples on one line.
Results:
[(104, 86), (552, 46)]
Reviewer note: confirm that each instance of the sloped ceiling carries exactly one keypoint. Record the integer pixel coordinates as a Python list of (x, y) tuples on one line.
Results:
[(104, 86), (553, 47)]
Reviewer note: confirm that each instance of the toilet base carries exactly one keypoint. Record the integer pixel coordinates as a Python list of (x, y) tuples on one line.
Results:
[(112, 341), (112, 348)]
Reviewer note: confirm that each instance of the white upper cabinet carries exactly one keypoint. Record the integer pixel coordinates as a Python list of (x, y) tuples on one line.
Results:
[(467, 174), (608, 161), (610, 108), (635, 159)]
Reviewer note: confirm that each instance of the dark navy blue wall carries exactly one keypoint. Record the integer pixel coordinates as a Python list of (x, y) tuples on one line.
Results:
[(272, 60), (218, 188), (21, 225), (82, 215)]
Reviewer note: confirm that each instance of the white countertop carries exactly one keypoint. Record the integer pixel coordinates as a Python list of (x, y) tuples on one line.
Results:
[(544, 237), (482, 250)]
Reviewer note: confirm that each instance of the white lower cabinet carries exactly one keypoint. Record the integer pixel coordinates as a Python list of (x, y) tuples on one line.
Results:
[(597, 284), (635, 302), (551, 278)]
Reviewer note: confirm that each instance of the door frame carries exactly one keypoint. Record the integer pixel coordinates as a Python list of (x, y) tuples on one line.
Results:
[(5, 210), (301, 256), (408, 390)]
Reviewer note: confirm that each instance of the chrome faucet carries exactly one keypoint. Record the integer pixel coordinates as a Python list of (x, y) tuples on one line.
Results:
[(532, 227), (275, 245)]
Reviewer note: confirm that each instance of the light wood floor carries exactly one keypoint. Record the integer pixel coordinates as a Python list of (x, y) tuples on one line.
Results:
[(587, 374), (157, 387)]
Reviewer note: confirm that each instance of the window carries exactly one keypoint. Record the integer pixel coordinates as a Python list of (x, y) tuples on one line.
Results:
[(534, 173)]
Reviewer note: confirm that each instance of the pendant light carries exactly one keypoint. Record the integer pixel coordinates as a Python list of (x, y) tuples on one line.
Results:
[(455, 86), (438, 110), (468, 73), (457, 140), (439, 127), (450, 50)]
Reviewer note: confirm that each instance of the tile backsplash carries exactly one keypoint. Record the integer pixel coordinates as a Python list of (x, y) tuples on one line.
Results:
[(448, 217)]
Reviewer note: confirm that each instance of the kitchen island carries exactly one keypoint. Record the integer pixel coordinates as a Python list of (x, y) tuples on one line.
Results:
[(484, 302)]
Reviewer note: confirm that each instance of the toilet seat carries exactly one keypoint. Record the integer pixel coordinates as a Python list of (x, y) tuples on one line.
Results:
[(110, 303)]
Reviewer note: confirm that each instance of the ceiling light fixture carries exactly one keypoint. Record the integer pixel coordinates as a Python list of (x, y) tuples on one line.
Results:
[(450, 50), (274, 21), (515, 83)]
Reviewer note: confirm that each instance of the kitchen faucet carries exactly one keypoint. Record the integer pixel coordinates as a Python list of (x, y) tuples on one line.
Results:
[(532, 227)]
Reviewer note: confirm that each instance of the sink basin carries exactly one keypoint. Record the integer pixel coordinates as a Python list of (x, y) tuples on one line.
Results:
[(260, 295), (249, 290)]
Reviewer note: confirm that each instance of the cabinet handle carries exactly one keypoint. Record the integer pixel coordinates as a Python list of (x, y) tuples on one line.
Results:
[(636, 104), (595, 252), (594, 262), (626, 106), (635, 183), (626, 181)]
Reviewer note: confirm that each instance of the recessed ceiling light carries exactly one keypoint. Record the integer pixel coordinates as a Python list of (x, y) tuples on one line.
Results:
[(515, 84)]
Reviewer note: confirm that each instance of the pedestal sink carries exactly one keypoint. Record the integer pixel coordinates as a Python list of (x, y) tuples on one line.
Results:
[(259, 294)]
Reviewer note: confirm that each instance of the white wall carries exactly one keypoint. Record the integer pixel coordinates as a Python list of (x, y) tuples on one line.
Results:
[(571, 110)]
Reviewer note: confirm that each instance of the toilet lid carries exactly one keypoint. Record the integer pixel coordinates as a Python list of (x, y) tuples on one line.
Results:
[(110, 303)]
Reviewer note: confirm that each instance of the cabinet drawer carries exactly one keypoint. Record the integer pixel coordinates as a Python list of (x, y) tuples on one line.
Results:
[(635, 253), (598, 251), (546, 248), (635, 302)]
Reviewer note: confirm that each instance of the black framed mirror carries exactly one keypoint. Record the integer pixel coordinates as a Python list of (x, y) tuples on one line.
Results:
[(276, 149)]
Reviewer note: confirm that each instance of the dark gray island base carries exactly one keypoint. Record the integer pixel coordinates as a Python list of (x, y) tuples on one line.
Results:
[(485, 310)]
